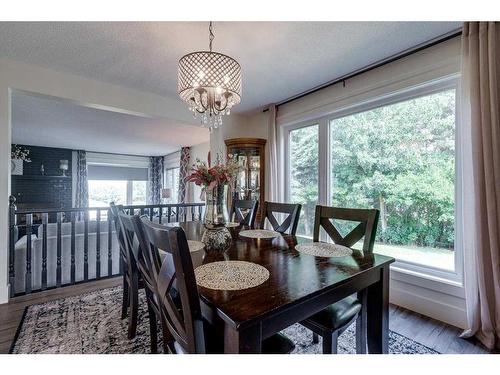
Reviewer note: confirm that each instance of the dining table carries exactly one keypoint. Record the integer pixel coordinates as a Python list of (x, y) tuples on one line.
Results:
[(299, 285)]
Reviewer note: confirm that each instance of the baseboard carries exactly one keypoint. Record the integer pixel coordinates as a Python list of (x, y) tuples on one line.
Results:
[(437, 305), (4, 294)]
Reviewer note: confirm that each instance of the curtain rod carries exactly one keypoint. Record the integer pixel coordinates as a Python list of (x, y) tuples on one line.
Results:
[(375, 65)]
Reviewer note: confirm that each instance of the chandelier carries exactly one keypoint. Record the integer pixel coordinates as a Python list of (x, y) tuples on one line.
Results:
[(210, 83)]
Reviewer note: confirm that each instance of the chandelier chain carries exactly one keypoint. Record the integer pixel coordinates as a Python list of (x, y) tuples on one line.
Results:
[(211, 35)]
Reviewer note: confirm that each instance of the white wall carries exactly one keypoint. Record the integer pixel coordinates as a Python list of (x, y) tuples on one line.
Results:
[(33, 79)]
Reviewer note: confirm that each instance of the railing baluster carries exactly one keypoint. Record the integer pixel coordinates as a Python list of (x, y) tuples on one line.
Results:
[(86, 245), (180, 212), (29, 253), (110, 247), (59, 249), (73, 244), (12, 245), (98, 245), (45, 220)]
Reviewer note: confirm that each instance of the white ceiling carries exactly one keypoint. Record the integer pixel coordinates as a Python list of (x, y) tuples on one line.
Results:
[(279, 59), (50, 122)]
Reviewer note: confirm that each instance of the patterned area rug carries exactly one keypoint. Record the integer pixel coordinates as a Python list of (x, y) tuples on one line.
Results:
[(90, 323)]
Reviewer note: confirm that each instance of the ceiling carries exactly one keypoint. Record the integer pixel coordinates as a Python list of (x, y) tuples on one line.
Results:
[(278, 59), (50, 122)]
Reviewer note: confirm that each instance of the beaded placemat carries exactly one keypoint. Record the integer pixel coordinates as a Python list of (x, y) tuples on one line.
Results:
[(230, 275), (232, 224), (259, 233), (323, 249)]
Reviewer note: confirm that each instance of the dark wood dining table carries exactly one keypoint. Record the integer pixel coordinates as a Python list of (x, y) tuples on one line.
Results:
[(299, 286)]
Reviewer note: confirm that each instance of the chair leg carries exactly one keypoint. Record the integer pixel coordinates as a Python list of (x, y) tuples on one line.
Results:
[(153, 328), (125, 300), (315, 338), (134, 308)]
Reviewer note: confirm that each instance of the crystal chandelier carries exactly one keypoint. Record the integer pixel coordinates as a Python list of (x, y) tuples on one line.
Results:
[(210, 83)]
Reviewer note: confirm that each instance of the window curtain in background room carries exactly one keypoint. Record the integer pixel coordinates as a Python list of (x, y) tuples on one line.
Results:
[(183, 172), (481, 117), (82, 185), (273, 190), (155, 179)]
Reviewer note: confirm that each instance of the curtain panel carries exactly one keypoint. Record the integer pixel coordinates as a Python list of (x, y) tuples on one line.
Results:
[(273, 190), (183, 172), (82, 185), (155, 179), (481, 115)]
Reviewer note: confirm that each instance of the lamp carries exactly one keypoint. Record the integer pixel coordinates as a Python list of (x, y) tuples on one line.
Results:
[(210, 84), (64, 166)]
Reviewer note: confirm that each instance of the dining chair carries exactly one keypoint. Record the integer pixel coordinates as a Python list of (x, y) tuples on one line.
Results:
[(238, 208), (132, 280), (184, 328), (336, 318), (144, 263), (289, 224)]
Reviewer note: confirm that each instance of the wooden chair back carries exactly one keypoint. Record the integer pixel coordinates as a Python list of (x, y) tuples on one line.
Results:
[(237, 209), (183, 318), (289, 225), (367, 227), (128, 259)]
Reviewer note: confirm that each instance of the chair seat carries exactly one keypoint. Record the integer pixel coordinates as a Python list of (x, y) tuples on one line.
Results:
[(334, 316)]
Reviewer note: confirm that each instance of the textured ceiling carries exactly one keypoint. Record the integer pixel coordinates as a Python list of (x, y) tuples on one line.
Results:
[(48, 122), (278, 59)]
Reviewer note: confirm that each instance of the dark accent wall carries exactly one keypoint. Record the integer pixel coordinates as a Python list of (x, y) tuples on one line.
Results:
[(33, 190)]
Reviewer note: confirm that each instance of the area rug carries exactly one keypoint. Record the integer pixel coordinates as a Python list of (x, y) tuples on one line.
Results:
[(90, 324)]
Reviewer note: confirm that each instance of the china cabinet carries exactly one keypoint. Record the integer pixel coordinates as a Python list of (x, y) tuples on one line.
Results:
[(250, 180)]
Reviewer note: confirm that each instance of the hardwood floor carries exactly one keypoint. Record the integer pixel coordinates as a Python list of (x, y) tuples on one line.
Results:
[(429, 332)]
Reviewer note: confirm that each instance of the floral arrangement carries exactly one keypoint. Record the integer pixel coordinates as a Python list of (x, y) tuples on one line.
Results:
[(202, 174), (20, 153)]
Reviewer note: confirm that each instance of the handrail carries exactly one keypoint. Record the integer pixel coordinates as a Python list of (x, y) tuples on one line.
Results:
[(80, 209)]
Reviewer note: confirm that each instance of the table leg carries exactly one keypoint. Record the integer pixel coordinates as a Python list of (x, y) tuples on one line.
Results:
[(378, 314), (247, 340)]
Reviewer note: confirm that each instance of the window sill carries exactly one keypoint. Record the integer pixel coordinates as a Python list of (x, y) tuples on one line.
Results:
[(448, 283)]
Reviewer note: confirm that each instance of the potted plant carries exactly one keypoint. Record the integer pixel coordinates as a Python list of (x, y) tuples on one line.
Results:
[(214, 181)]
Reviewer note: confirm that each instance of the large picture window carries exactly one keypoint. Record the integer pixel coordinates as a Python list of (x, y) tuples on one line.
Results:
[(396, 155), (400, 158)]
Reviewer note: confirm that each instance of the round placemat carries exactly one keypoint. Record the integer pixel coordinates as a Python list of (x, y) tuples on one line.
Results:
[(230, 275), (323, 249), (195, 246), (232, 224), (259, 233)]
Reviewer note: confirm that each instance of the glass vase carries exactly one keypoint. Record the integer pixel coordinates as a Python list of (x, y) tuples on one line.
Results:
[(216, 237)]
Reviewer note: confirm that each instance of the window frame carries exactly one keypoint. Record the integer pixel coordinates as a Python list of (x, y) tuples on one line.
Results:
[(452, 81), (175, 189), (129, 190)]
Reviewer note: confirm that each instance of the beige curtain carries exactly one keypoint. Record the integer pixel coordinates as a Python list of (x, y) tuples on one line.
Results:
[(481, 86), (273, 190)]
